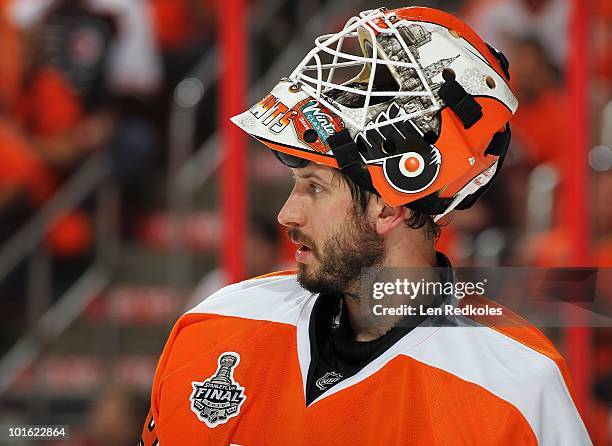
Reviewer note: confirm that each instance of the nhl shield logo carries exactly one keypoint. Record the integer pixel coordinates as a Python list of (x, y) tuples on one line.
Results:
[(217, 399), (328, 379)]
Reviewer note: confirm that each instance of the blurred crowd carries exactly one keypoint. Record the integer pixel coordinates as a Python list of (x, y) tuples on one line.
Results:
[(81, 76), (92, 75), (523, 218), (527, 200), (84, 76)]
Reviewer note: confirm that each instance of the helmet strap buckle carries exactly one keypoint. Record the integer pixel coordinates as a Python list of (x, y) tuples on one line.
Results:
[(346, 154), (461, 102)]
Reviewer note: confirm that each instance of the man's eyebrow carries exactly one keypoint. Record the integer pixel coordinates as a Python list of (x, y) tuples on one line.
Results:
[(311, 176)]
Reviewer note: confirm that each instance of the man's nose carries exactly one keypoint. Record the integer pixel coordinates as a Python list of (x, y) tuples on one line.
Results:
[(292, 214)]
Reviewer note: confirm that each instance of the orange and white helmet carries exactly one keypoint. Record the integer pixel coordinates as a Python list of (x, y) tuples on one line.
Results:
[(410, 103)]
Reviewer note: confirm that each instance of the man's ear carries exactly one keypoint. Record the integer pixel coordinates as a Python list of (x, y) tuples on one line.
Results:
[(389, 218)]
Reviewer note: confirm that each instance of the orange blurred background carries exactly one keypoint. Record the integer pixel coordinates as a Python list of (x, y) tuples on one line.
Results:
[(111, 216)]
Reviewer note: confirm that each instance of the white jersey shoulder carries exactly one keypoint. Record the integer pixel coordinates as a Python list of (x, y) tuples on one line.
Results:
[(276, 298), (511, 370)]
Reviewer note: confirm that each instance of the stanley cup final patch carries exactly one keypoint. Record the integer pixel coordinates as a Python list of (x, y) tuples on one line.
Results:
[(218, 398)]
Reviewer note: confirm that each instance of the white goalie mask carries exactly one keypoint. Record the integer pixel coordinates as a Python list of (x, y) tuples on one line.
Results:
[(417, 96)]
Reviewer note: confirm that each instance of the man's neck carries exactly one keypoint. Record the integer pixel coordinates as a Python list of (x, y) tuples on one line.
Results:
[(360, 313)]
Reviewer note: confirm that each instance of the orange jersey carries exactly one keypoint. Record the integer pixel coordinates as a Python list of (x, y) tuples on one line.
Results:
[(234, 371)]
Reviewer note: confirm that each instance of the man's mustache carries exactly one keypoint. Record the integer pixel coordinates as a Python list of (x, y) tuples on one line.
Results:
[(298, 237)]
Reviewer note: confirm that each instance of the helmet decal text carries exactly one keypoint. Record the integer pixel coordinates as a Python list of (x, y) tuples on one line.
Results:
[(273, 113), (312, 115)]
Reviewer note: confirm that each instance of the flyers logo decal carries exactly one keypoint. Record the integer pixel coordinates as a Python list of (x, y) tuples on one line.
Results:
[(410, 163)]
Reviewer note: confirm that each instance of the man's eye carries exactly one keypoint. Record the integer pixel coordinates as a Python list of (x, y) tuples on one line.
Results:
[(315, 188)]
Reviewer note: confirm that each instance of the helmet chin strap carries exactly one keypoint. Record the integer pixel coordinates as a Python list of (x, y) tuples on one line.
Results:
[(347, 155)]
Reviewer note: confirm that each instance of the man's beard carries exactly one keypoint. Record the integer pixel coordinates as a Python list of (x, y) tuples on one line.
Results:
[(355, 246)]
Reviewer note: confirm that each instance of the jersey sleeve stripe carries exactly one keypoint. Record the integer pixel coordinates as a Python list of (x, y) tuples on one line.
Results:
[(288, 272)]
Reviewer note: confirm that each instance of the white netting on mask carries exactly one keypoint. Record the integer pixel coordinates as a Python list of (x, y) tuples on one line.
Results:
[(369, 61)]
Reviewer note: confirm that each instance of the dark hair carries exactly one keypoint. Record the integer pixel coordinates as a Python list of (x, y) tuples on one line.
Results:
[(416, 220)]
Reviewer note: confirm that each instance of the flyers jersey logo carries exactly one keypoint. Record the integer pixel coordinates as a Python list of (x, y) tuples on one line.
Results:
[(219, 398)]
